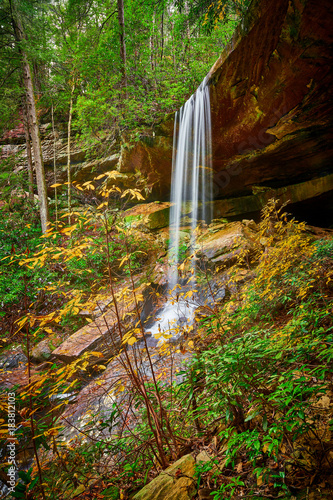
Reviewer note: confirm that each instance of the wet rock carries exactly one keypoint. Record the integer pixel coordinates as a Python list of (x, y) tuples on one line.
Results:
[(160, 274), (12, 359), (175, 483), (95, 402), (224, 245)]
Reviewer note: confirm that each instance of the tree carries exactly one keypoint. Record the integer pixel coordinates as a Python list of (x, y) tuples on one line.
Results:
[(14, 14), (121, 21), (32, 118)]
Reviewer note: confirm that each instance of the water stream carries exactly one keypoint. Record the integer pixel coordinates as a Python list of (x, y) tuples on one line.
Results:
[(191, 190)]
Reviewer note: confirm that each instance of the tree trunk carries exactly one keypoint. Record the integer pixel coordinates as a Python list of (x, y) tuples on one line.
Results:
[(188, 35), (162, 35), (29, 155), (69, 129), (121, 21), (36, 146), (55, 170), (32, 119), (151, 45)]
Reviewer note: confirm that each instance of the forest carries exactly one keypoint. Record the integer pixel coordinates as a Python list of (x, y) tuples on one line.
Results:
[(166, 249)]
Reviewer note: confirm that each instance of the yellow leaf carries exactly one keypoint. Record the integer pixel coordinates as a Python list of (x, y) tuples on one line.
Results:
[(132, 341), (123, 260), (55, 185), (104, 204)]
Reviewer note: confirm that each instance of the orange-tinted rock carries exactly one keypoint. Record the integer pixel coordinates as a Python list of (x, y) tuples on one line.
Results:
[(271, 97), (152, 157)]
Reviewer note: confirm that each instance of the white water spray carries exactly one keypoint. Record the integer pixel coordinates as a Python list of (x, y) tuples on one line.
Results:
[(191, 190), (191, 183)]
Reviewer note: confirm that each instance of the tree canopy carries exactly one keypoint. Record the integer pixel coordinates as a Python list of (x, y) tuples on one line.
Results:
[(164, 48)]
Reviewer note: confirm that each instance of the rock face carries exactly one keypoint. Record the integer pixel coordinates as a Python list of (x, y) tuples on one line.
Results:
[(271, 97), (175, 483), (151, 155)]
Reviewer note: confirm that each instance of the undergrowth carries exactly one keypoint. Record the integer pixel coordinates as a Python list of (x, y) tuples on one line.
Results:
[(257, 394)]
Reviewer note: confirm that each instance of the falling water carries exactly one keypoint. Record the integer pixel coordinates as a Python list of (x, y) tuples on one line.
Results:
[(191, 183), (190, 193)]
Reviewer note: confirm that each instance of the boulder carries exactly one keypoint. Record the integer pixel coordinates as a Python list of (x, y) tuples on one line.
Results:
[(223, 245), (150, 215), (102, 334), (175, 483), (43, 350)]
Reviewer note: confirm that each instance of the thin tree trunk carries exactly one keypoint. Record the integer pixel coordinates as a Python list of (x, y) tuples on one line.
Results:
[(162, 35), (154, 44), (69, 129), (187, 21), (173, 47), (121, 21), (55, 170), (34, 130), (151, 46), (29, 155), (33, 124), (188, 35)]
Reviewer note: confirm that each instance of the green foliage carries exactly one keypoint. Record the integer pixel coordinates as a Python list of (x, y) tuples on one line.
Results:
[(269, 365), (17, 238)]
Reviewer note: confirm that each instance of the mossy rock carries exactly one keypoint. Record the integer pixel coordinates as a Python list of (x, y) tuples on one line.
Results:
[(150, 215), (175, 483)]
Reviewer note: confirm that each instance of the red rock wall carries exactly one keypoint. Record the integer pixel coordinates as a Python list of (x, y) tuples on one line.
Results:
[(272, 99)]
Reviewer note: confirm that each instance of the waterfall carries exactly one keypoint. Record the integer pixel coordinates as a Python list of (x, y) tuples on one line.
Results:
[(191, 192), (191, 183)]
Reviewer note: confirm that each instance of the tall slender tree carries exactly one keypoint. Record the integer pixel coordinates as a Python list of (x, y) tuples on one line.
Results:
[(32, 117), (121, 21)]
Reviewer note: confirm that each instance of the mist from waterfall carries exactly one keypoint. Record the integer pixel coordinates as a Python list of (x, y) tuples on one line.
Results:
[(191, 183)]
